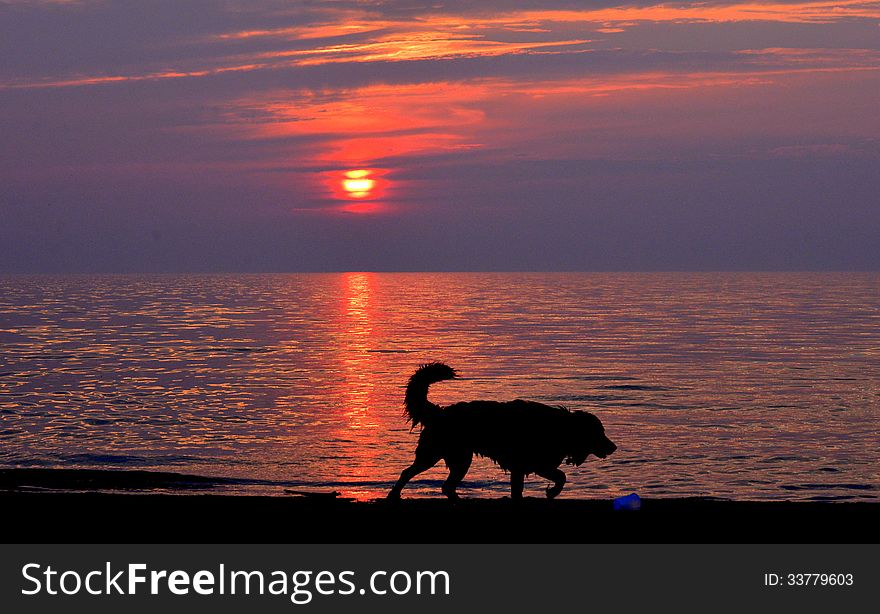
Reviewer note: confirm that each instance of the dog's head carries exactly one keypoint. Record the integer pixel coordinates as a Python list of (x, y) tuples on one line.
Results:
[(587, 436)]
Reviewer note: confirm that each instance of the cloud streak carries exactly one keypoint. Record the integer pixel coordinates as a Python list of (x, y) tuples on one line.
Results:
[(347, 36)]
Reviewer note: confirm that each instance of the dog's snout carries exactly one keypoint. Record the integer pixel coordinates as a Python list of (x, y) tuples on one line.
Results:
[(608, 448)]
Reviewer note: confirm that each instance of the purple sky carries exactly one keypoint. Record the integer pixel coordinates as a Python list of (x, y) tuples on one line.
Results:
[(216, 136)]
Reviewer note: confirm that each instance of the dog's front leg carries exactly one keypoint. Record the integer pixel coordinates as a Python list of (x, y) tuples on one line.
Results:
[(517, 478), (558, 478)]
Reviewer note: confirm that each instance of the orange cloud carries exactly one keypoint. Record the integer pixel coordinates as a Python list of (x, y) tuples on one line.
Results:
[(802, 12), (366, 123), (345, 23), (359, 126), (437, 37)]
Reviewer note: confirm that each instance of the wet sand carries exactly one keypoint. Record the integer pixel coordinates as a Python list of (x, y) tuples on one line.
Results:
[(36, 511)]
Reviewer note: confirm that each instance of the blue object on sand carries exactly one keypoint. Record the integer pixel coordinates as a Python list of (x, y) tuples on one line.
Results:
[(629, 502)]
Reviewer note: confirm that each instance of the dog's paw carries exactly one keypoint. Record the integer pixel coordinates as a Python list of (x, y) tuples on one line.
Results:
[(552, 491)]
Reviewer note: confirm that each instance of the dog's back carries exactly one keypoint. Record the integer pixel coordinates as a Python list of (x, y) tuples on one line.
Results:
[(511, 433)]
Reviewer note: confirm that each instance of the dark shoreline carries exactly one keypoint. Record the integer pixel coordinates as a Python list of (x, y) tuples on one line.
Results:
[(99, 517), (41, 505)]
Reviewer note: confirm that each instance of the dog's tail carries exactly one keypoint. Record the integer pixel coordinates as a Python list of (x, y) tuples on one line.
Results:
[(418, 408)]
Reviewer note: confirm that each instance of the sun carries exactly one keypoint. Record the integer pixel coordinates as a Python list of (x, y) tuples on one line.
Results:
[(359, 190), (357, 183)]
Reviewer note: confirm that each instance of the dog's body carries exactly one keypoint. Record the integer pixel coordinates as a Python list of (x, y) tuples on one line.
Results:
[(523, 437)]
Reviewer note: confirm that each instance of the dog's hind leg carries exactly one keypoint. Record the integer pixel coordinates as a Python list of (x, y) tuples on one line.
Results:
[(458, 465), (517, 479), (422, 463), (557, 476)]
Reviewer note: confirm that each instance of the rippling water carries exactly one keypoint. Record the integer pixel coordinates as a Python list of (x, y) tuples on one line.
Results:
[(745, 386)]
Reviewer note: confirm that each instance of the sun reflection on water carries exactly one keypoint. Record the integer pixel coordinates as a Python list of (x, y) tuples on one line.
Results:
[(357, 322)]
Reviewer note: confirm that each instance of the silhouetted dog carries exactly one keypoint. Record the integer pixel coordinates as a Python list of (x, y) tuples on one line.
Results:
[(523, 437)]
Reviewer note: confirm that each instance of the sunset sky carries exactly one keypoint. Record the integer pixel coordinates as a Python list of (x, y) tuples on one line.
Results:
[(270, 135)]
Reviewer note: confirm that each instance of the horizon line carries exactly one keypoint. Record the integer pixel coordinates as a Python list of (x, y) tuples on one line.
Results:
[(422, 272)]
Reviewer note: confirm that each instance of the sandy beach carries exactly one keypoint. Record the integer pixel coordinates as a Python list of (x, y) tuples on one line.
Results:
[(72, 506)]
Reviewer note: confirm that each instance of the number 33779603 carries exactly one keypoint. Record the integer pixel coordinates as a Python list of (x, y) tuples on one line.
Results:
[(808, 579)]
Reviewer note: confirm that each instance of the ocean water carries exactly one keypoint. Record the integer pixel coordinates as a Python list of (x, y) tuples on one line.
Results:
[(733, 385)]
